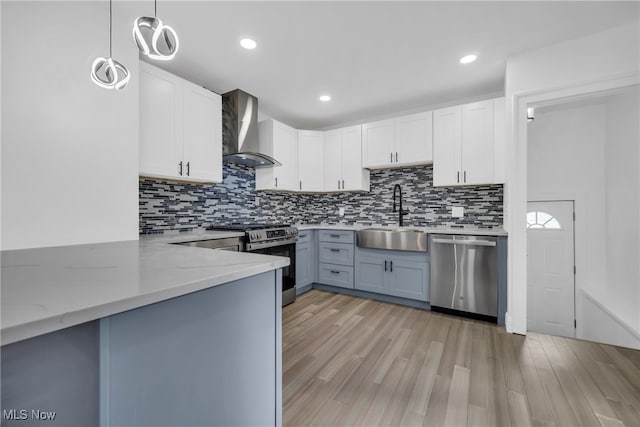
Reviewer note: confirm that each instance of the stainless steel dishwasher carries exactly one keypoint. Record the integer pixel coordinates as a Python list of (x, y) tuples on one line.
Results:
[(464, 275)]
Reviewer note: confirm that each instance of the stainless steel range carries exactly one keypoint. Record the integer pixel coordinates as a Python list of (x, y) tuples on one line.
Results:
[(272, 239)]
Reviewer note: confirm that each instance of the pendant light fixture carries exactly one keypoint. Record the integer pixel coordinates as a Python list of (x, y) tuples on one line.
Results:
[(107, 72), (154, 39)]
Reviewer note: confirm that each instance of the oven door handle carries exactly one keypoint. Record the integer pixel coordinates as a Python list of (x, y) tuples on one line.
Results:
[(270, 244)]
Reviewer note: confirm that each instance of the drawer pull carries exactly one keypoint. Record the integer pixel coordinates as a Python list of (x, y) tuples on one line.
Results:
[(334, 250), (335, 236), (334, 272)]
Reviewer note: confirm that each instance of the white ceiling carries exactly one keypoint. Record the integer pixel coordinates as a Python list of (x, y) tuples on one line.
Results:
[(375, 58)]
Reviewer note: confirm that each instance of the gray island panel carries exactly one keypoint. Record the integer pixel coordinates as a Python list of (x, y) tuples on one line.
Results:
[(208, 358)]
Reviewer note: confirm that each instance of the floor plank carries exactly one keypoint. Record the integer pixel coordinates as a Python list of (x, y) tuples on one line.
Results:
[(351, 361)]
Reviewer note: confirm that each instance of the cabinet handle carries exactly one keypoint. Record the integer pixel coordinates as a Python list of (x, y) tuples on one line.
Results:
[(458, 176), (343, 184), (465, 176), (391, 154), (301, 184), (335, 272), (334, 250), (276, 181), (385, 265), (335, 236), (391, 266), (396, 157), (301, 236), (338, 184), (180, 171), (188, 168)]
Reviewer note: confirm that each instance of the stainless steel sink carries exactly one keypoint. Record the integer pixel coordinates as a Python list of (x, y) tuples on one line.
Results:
[(398, 239)]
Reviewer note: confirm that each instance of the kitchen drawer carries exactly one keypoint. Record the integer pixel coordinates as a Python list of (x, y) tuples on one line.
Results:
[(336, 253), (336, 275), (338, 236), (305, 236)]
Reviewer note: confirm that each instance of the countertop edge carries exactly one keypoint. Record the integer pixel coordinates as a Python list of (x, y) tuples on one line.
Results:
[(428, 230), (57, 322)]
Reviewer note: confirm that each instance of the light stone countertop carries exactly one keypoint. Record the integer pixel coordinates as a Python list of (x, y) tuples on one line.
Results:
[(47, 289), (470, 230)]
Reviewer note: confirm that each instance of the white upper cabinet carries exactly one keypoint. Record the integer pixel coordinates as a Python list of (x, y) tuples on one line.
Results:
[(180, 128), (354, 177), (202, 125), (310, 160), (378, 143), (333, 160), (499, 141), (403, 141), (464, 143), (414, 139), (280, 142), (343, 160), (477, 143)]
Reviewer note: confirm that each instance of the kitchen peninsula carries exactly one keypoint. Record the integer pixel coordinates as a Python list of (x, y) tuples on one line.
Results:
[(141, 333)]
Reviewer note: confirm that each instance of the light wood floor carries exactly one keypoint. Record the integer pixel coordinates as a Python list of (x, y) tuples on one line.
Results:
[(352, 361)]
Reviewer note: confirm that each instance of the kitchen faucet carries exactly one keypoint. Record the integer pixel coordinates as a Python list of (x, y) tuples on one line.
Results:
[(401, 212)]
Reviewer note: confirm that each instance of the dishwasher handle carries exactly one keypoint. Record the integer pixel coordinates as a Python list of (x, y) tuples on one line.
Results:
[(465, 242)]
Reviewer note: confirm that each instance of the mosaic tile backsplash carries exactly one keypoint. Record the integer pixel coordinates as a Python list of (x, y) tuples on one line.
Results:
[(179, 206)]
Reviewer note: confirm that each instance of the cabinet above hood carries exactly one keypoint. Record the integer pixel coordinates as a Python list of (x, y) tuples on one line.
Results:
[(240, 130)]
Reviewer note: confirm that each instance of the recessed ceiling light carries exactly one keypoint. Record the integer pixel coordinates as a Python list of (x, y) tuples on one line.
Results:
[(468, 59), (248, 43), (325, 98)]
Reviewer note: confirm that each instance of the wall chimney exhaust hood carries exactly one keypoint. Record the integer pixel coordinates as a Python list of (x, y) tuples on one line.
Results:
[(240, 130)]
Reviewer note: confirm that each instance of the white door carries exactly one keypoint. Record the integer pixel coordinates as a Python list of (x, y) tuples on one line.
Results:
[(550, 268)]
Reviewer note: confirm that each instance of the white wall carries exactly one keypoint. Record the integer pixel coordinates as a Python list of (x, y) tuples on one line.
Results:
[(622, 135), (566, 149), (69, 148), (588, 151), (595, 62)]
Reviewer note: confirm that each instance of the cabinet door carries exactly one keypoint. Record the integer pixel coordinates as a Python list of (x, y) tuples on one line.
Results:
[(477, 143), (310, 160), (414, 139), (285, 151), (304, 266), (371, 274), (378, 144), (202, 134), (447, 145), (335, 275), (160, 124), (409, 279), (333, 160), (354, 177)]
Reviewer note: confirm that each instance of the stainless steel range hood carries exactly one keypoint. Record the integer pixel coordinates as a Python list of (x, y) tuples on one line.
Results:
[(240, 130)]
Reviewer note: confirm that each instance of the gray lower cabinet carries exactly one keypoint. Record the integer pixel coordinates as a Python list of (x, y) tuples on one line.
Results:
[(335, 256), (336, 275), (396, 273), (306, 259)]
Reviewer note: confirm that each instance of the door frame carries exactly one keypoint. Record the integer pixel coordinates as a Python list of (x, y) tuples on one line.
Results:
[(516, 195), (573, 238)]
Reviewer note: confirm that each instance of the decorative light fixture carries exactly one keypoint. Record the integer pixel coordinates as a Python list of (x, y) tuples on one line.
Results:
[(107, 72), (325, 98), (154, 39), (248, 43), (468, 59)]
